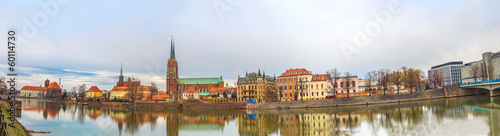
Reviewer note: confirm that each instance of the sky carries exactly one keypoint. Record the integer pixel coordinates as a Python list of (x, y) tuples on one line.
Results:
[(86, 41)]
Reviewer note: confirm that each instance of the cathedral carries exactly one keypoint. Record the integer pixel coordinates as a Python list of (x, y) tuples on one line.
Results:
[(176, 86)]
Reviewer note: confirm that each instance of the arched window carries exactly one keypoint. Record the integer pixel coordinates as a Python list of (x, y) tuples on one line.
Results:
[(341, 84), (353, 83)]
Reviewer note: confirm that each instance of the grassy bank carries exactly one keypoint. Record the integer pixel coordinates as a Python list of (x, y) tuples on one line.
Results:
[(18, 129)]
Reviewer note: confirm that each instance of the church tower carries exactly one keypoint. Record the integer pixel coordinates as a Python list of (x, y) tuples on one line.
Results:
[(120, 80), (172, 73)]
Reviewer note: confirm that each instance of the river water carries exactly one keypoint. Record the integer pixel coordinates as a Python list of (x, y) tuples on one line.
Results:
[(472, 115)]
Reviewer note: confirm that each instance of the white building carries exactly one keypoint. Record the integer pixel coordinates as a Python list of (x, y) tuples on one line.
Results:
[(33, 91), (451, 72), (191, 93)]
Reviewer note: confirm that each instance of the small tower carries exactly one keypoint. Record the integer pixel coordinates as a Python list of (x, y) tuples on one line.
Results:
[(47, 82)]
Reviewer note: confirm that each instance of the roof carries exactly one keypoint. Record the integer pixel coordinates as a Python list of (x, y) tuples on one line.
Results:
[(252, 78), (117, 88), (34, 88), (320, 77), (449, 63), (214, 80), (125, 88), (295, 72), (94, 89), (191, 90), (125, 83), (220, 89), (53, 85)]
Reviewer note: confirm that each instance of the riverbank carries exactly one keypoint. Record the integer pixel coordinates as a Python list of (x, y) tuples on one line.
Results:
[(447, 92), (18, 129)]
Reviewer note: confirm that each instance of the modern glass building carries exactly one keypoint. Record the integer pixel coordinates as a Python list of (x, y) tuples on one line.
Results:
[(452, 73)]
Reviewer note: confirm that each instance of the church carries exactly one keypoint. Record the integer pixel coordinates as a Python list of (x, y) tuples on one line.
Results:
[(176, 86)]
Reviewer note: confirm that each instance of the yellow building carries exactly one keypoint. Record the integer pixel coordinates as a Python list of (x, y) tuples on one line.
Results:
[(253, 86), (93, 92), (314, 86)]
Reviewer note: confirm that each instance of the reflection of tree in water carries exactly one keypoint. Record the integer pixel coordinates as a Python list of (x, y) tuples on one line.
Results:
[(401, 121)]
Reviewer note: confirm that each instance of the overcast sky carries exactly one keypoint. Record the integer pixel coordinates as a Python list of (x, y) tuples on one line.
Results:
[(84, 41)]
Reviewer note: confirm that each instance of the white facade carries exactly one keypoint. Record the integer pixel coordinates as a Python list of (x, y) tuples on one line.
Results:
[(32, 93), (452, 72), (190, 95)]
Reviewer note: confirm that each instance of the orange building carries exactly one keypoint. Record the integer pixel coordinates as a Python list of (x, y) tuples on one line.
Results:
[(122, 91), (51, 90)]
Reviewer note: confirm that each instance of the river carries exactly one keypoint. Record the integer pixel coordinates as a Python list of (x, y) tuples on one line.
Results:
[(472, 115)]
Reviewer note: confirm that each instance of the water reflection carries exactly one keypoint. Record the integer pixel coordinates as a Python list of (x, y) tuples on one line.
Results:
[(476, 115)]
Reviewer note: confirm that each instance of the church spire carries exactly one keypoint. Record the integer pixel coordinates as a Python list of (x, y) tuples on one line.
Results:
[(121, 69), (172, 48)]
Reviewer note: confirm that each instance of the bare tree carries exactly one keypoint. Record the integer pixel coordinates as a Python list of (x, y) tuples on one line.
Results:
[(369, 80), (271, 93), (396, 79), (299, 87), (334, 78), (153, 90), (384, 79), (475, 71), (376, 77), (81, 90), (420, 82), (133, 89), (436, 78), (347, 84), (73, 90)]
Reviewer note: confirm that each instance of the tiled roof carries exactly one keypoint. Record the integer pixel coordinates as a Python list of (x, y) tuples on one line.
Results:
[(94, 89), (191, 90), (116, 88), (214, 80), (53, 85), (34, 88), (125, 83), (295, 72), (320, 77), (220, 89)]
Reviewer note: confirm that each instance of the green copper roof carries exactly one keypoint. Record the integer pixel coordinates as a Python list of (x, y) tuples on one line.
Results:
[(214, 80)]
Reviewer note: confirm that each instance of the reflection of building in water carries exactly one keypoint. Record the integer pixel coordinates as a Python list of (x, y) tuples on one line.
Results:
[(318, 124), (262, 125), (173, 125), (47, 109), (290, 125), (178, 122), (202, 123), (93, 113)]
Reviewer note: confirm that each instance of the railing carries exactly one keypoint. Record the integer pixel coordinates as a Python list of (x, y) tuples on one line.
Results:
[(481, 82)]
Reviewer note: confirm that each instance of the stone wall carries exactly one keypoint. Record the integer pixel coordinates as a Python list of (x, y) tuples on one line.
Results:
[(452, 91)]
